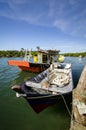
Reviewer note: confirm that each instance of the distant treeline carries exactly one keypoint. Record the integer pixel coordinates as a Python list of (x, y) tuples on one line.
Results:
[(16, 53), (82, 54), (11, 53)]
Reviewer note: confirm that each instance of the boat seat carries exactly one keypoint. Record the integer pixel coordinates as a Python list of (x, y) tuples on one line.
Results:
[(68, 66)]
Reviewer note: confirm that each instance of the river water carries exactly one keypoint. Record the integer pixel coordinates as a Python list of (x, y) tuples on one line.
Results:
[(16, 114)]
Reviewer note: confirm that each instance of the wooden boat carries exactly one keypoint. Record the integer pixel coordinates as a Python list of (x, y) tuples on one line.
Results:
[(48, 87), (35, 63)]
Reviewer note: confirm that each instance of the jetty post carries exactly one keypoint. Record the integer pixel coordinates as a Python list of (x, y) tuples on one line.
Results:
[(78, 118)]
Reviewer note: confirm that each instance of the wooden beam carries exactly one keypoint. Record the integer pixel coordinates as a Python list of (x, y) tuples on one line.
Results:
[(79, 104)]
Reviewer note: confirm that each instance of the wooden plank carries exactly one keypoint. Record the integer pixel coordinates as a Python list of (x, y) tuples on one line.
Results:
[(79, 104), (77, 126)]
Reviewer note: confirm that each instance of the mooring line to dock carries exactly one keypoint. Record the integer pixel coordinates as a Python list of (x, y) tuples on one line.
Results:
[(70, 113)]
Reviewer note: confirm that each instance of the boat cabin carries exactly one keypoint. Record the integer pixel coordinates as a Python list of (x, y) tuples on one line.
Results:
[(53, 56), (42, 56)]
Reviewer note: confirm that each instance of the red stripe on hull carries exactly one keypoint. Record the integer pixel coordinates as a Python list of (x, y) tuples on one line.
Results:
[(31, 69), (40, 107), (24, 65)]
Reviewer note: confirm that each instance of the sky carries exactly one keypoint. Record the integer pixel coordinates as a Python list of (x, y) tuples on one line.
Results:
[(49, 24)]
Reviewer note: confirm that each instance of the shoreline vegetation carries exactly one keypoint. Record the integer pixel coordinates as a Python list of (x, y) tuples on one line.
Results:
[(17, 53)]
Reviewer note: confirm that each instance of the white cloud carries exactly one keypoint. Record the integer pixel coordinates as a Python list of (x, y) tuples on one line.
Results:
[(61, 24), (74, 2), (19, 1)]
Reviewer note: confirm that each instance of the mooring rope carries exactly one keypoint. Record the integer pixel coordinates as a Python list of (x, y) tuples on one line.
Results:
[(70, 114)]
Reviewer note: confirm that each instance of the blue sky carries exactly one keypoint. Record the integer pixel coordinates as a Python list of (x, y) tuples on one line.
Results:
[(49, 24)]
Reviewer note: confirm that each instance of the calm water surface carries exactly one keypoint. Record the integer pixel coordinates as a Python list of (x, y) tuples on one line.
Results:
[(16, 114)]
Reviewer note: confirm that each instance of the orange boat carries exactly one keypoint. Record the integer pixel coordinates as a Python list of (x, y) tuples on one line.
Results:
[(27, 66), (36, 63)]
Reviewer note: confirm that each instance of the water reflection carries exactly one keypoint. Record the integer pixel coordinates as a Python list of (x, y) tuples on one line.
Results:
[(21, 77)]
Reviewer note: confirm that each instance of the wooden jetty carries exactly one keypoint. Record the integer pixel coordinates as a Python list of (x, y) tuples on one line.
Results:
[(78, 118)]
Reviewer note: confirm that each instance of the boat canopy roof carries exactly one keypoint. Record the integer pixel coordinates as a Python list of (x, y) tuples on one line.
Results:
[(53, 52)]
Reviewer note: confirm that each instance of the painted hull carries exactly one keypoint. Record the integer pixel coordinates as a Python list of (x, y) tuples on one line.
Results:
[(27, 66), (39, 104)]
